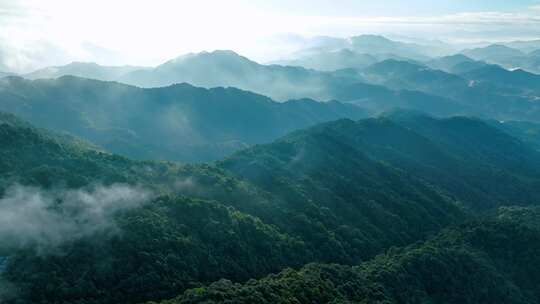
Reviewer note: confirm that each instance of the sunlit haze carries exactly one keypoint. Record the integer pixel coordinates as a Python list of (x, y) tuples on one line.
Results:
[(37, 33)]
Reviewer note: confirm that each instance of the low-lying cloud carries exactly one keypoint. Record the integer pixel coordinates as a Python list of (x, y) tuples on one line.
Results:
[(35, 218)]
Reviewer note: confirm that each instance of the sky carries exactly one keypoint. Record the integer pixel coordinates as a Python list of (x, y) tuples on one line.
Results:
[(38, 33)]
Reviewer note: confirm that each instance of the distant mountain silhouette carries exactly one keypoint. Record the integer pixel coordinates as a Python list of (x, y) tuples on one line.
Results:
[(5, 74), (507, 57), (404, 75), (373, 44), (448, 63), (333, 60), (494, 53), (444, 86), (513, 79), (228, 69), (487, 91), (525, 46), (83, 69), (361, 51)]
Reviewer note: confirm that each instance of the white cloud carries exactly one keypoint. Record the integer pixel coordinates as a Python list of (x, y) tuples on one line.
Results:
[(535, 7), (43, 220)]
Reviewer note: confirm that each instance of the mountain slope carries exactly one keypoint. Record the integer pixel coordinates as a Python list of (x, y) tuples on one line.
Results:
[(225, 68), (378, 99), (406, 75), (448, 63), (535, 53), (526, 131), (340, 192), (494, 53), (85, 70), (449, 154), (180, 122), (373, 44), (492, 168), (489, 261), (507, 57), (201, 224), (482, 90), (333, 60), (361, 51), (5, 74), (228, 69), (526, 46), (419, 88), (320, 171), (527, 83)]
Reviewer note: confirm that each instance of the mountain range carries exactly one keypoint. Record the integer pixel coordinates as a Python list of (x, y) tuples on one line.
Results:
[(509, 57), (339, 192), (482, 90), (186, 123), (333, 60), (450, 63), (357, 170), (376, 80), (179, 122), (226, 68), (85, 70)]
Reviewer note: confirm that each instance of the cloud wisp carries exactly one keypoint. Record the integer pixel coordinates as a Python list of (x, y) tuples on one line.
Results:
[(43, 220)]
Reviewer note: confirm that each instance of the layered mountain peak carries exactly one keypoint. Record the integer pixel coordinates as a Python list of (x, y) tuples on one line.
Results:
[(374, 44), (456, 58), (448, 63), (396, 66), (493, 52), (205, 56), (535, 53), (371, 39), (502, 48), (82, 64), (83, 69)]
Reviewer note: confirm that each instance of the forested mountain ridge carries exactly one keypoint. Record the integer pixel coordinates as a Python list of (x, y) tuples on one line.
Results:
[(339, 192), (527, 131), (474, 163), (179, 122), (493, 260), (199, 224)]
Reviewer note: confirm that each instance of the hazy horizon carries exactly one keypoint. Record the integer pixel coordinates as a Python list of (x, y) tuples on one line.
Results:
[(37, 34)]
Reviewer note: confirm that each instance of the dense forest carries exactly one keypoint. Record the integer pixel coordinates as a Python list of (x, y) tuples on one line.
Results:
[(339, 193), (491, 260)]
